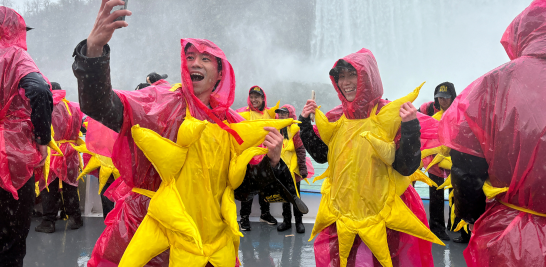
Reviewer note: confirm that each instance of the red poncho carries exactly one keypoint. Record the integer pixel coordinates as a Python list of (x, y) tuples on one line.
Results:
[(163, 111), (249, 104), (18, 153), (499, 117), (66, 120)]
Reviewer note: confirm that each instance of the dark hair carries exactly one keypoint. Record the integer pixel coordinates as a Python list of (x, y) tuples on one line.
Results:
[(341, 64), (55, 86), (141, 86), (154, 77), (218, 60)]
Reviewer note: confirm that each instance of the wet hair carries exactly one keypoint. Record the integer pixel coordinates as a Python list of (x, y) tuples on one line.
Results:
[(55, 86), (341, 64), (218, 60)]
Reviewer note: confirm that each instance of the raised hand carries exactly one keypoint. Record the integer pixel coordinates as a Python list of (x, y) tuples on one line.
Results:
[(273, 142), (408, 112), (105, 26), (309, 108)]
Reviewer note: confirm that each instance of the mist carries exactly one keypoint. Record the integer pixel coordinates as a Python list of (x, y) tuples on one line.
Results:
[(286, 47)]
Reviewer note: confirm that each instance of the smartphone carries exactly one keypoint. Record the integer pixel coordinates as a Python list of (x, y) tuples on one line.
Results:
[(116, 8)]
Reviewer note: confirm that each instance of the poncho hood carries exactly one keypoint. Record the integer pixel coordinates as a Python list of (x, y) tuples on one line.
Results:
[(12, 29), (369, 86), (526, 35)]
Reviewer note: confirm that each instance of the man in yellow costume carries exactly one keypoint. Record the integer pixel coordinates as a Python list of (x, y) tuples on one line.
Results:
[(257, 109), (181, 153), (368, 212)]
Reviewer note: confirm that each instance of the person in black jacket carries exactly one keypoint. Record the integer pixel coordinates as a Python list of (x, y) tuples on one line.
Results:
[(25, 130)]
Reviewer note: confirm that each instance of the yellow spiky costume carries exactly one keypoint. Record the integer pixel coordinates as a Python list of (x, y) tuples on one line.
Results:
[(361, 190)]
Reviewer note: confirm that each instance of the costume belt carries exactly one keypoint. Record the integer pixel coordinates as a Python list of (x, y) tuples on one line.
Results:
[(492, 192)]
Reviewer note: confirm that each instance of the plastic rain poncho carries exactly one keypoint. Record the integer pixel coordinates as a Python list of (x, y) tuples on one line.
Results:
[(182, 161), (66, 120), (18, 153), (251, 113), (362, 195), (499, 117)]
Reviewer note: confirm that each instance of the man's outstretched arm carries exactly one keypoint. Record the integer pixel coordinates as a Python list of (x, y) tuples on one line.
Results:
[(92, 68), (97, 99)]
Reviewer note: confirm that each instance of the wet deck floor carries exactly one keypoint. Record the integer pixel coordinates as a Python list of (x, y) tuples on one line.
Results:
[(261, 247)]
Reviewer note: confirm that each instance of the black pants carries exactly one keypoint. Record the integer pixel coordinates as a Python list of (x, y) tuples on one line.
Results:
[(246, 206), (52, 201), (107, 204), (436, 208), (15, 224), (286, 213)]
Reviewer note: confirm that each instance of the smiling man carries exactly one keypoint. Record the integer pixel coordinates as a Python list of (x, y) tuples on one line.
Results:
[(179, 149)]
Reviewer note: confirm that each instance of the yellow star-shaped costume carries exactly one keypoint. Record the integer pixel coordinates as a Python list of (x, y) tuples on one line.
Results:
[(198, 172), (96, 161), (361, 191), (47, 163), (266, 115)]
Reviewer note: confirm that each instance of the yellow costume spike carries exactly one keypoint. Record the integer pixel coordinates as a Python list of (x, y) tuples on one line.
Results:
[(446, 184), (96, 161), (271, 111), (378, 239), (418, 175), (204, 166), (361, 192)]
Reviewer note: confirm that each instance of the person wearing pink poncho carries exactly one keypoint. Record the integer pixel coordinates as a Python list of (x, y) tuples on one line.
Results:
[(496, 131), (207, 91), (25, 131), (62, 181)]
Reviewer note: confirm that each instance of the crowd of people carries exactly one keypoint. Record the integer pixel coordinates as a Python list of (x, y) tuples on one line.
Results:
[(172, 158)]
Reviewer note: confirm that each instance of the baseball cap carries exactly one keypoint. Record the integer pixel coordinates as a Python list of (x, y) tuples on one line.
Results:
[(443, 90), (283, 109), (257, 90)]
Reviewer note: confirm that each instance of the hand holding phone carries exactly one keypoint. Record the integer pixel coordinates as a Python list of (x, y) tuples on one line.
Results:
[(116, 8), (105, 25)]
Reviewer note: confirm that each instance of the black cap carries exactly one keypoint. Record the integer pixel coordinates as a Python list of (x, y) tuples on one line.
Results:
[(55, 86), (29, 28), (142, 86), (444, 90), (154, 77), (256, 90), (283, 109)]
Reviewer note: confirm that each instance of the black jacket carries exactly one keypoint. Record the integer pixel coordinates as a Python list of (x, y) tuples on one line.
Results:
[(41, 102), (407, 158)]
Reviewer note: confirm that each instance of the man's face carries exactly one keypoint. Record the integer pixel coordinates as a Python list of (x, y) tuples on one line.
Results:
[(445, 102), (283, 115), (203, 69), (256, 100), (347, 83)]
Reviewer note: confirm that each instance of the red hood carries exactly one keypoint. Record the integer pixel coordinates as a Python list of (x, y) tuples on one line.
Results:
[(12, 29), (526, 35), (369, 87), (291, 111), (250, 104), (222, 98), (58, 95)]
